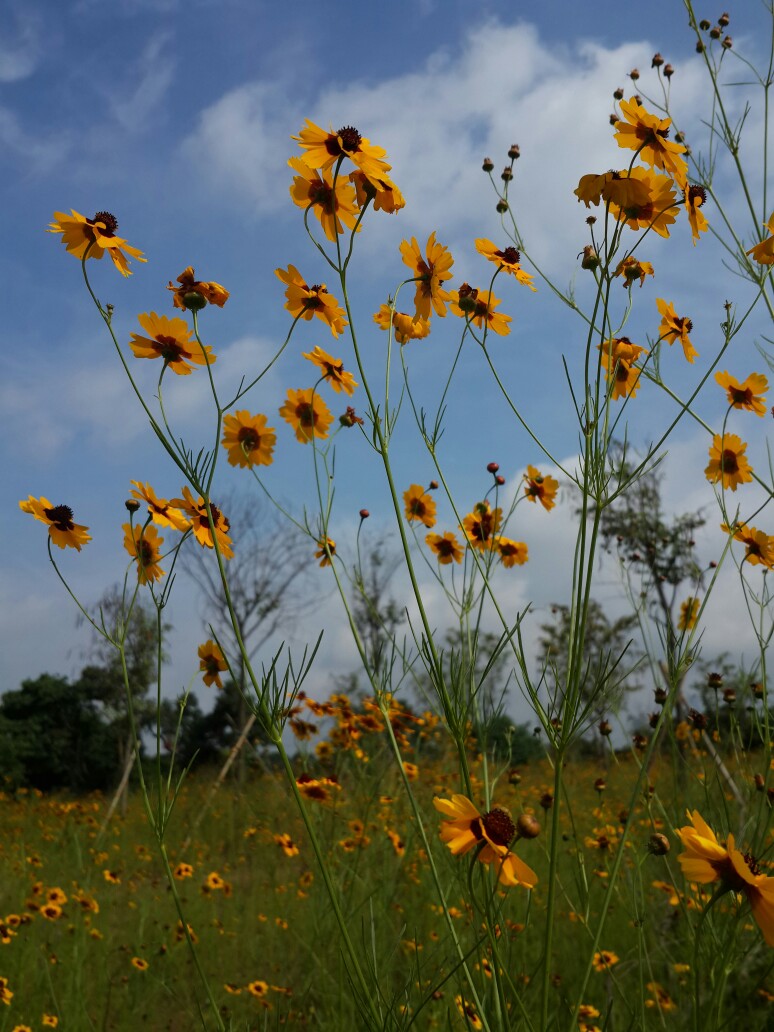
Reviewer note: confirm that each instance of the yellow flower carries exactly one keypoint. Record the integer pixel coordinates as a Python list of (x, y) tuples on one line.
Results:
[(139, 964), (419, 505), (304, 301), (507, 260), (144, 545), (258, 988), (380, 190), (728, 463), (287, 845), (538, 488), (632, 269), (59, 519), (170, 339), (323, 149), (605, 959), (705, 861), (431, 270), (405, 327), (50, 1021), (748, 395), (326, 549), (618, 358), (197, 513), (212, 662), (694, 197), (91, 238), (248, 440), (651, 206), (193, 294), (689, 613), (674, 327), (446, 547), (764, 251), (760, 547), (647, 134), (5, 993), (308, 414), (315, 190), (479, 307), (182, 871), (512, 553), (661, 997), (159, 509), (468, 1013), (465, 829), (480, 526), (214, 881), (317, 789), (332, 370)]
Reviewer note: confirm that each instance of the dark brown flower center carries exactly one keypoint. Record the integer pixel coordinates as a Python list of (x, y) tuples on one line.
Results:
[(320, 193), (741, 397), (728, 461), (510, 256), (110, 222), (752, 863), (170, 349), (498, 826), (61, 516), (306, 414), (248, 438), (697, 195), (350, 138), (147, 553)]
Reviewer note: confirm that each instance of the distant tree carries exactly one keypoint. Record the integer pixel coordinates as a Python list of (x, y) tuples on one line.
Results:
[(52, 736), (375, 613)]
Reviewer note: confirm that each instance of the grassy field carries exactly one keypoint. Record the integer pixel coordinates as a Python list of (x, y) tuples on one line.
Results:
[(91, 938)]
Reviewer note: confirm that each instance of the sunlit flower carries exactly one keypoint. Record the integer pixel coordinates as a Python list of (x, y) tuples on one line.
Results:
[(674, 327), (651, 206), (689, 614), (512, 553), (659, 997), (49, 1021), (728, 463), (431, 270), (468, 1013), (647, 134), (5, 993), (183, 871), (51, 911), (326, 549), (618, 358), (538, 488), (212, 662), (446, 547), (304, 301), (405, 327), (191, 293), (323, 149), (604, 959), (381, 191), (705, 861), (317, 789), (258, 988), (479, 306), (214, 881), (592, 186), (95, 236), (308, 414), (480, 526), (59, 520), (159, 509), (286, 843), (248, 440), (139, 964), (764, 251), (748, 395), (465, 829), (170, 339), (111, 877), (760, 547), (144, 545), (333, 370), (632, 269), (197, 513), (315, 190), (419, 505), (694, 197), (508, 260)]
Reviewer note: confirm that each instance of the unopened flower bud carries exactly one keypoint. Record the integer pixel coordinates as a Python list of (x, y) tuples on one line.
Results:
[(715, 32), (131, 505), (618, 94), (499, 480), (714, 680), (433, 485), (349, 418), (364, 514), (657, 61), (514, 152), (639, 742), (527, 826), (501, 207), (600, 785), (668, 71), (729, 696), (759, 782), (547, 800), (653, 719), (194, 301), (634, 74), (507, 174), (727, 43), (679, 137), (660, 696), (658, 844), (492, 467), (590, 259), (613, 118), (637, 99), (604, 728), (704, 24), (488, 165), (723, 20), (699, 47), (757, 689), (698, 720), (590, 220), (514, 776)]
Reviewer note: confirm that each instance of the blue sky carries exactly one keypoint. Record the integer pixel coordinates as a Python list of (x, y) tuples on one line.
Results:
[(176, 117)]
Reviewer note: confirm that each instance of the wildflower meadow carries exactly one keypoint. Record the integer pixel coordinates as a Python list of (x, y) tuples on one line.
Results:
[(512, 813)]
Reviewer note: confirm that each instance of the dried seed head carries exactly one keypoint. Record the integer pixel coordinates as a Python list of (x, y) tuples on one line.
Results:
[(488, 165), (658, 844), (657, 61), (527, 826)]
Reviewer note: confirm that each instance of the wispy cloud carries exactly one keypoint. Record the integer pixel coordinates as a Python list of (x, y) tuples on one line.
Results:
[(20, 44), (36, 153), (153, 73)]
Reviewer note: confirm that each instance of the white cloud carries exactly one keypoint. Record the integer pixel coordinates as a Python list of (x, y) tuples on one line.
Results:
[(152, 75), (20, 47), (39, 154)]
